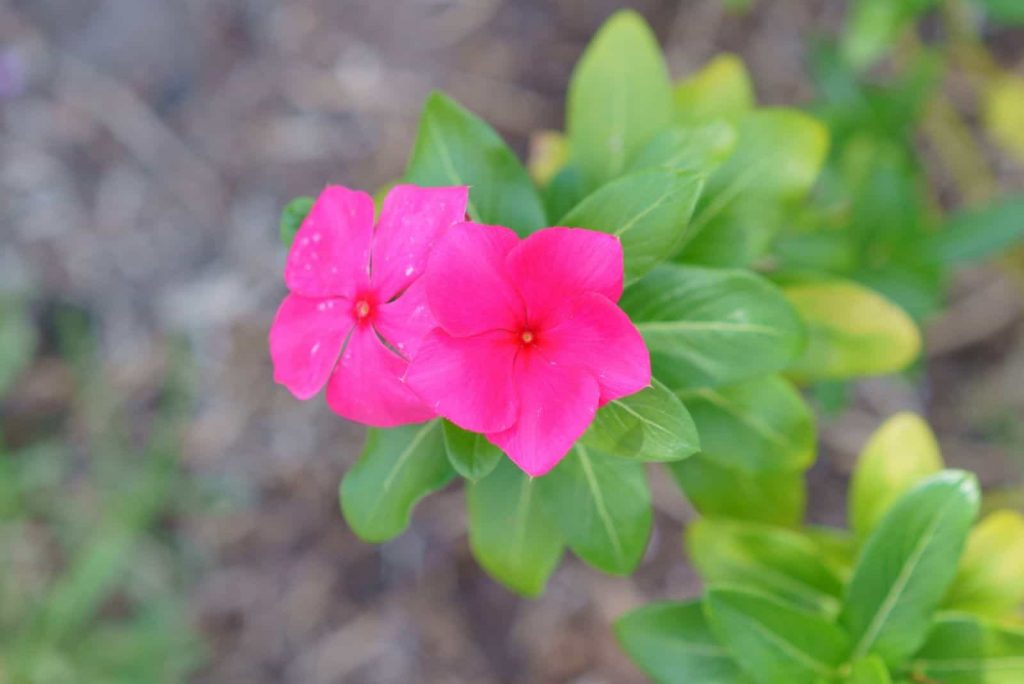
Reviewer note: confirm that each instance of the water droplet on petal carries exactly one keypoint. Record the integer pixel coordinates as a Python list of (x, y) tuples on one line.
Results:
[(410, 270)]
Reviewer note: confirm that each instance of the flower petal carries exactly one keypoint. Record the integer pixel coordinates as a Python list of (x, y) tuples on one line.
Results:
[(591, 333), (404, 322), (330, 255), (556, 404), (367, 385), (468, 380), (466, 283), (555, 264), (411, 221), (305, 340)]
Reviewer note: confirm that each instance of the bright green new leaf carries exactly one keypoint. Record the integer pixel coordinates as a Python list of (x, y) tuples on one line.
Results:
[(778, 561), (715, 488), (991, 576), (647, 210), (870, 670), (708, 327), (292, 216), (901, 453), (696, 149), (398, 467), (720, 90), (778, 155), (964, 650), (774, 642), (907, 565), (651, 425), (873, 27), (602, 505), (979, 233), (619, 98), (1004, 113), (510, 532), (837, 548), (852, 331), (470, 453), (672, 644), (455, 147), (756, 425)]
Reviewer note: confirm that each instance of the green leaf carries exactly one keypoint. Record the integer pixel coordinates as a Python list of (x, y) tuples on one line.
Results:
[(720, 90), (907, 565), (715, 488), (292, 216), (602, 506), (870, 670), (756, 425), (707, 327), (778, 155), (778, 561), (901, 453), (17, 343), (619, 98), (976, 234), (873, 27), (472, 456), (398, 467), (964, 650), (510, 532), (990, 580), (695, 149), (672, 644), (1005, 11), (773, 641), (651, 425), (647, 210), (454, 147), (852, 331)]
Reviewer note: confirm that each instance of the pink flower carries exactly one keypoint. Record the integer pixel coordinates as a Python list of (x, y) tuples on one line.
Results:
[(356, 310), (530, 341)]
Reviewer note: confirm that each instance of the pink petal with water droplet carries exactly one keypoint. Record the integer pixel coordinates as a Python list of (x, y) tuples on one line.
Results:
[(404, 322), (305, 341)]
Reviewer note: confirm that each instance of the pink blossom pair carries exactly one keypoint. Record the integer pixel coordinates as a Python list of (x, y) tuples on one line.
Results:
[(427, 314)]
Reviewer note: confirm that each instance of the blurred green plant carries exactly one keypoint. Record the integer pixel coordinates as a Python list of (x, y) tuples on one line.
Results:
[(92, 576)]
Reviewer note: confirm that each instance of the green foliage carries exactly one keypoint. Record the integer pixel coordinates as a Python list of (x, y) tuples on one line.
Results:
[(964, 650), (470, 454), (975, 234), (721, 90), (292, 216)]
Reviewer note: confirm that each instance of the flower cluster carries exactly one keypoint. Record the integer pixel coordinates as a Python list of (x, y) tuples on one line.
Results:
[(427, 314)]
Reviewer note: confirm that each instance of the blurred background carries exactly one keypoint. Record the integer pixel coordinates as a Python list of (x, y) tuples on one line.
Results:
[(169, 514)]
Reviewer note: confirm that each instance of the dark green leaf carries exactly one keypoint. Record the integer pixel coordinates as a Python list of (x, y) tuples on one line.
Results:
[(510, 532), (907, 565), (647, 210), (454, 147), (672, 643), (470, 453), (976, 234), (398, 467), (292, 216), (709, 327), (602, 505), (651, 425)]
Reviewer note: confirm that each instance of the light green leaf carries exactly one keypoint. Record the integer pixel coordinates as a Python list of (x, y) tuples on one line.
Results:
[(870, 670), (873, 27), (964, 650), (715, 488), (756, 425), (901, 453), (647, 210), (695, 149), (852, 331), (454, 147), (991, 576), (980, 233), (619, 98), (651, 425), (602, 505), (510, 532), (778, 561), (292, 216), (708, 327), (672, 644), (398, 467), (907, 565), (721, 89), (470, 453), (778, 155), (774, 642)]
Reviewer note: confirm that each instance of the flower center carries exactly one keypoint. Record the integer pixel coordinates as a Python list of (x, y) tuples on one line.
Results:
[(362, 309), (527, 337)]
